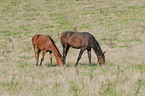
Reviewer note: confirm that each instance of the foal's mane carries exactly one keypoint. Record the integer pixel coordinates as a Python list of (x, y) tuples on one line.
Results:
[(54, 44)]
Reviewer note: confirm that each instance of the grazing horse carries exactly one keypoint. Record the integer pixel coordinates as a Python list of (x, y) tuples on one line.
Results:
[(46, 44), (83, 41)]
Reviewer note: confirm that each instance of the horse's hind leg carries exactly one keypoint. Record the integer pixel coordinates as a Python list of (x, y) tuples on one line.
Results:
[(65, 50), (80, 55), (37, 51), (50, 56), (89, 56), (43, 54)]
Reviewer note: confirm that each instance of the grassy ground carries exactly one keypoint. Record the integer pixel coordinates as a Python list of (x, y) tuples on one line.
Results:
[(118, 25)]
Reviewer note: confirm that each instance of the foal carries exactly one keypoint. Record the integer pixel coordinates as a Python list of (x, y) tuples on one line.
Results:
[(46, 44), (83, 41)]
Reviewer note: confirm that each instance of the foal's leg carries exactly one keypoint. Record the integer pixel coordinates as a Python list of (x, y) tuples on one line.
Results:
[(89, 56), (50, 56), (65, 50), (80, 55), (37, 51), (42, 57)]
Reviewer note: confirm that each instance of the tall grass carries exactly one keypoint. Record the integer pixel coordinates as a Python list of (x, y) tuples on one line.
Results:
[(118, 26)]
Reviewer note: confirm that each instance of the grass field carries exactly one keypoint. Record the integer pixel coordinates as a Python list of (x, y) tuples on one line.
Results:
[(118, 25)]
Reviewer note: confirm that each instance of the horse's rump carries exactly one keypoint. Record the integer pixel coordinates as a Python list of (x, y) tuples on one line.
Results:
[(75, 39), (35, 37)]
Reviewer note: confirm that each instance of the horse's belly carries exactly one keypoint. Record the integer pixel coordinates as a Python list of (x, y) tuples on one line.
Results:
[(76, 45)]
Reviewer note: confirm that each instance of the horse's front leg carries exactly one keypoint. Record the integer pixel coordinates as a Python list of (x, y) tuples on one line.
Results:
[(89, 56), (80, 55), (50, 56), (65, 51)]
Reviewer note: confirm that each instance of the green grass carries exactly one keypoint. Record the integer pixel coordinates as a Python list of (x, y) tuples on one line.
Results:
[(118, 26)]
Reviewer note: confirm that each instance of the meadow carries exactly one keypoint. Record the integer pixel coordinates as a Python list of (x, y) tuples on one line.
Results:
[(118, 26)]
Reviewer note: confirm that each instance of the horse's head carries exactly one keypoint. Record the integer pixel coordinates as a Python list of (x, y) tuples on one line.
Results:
[(60, 61), (101, 59)]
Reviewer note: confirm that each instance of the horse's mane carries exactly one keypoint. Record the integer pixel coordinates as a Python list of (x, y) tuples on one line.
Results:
[(53, 43), (51, 39), (95, 41)]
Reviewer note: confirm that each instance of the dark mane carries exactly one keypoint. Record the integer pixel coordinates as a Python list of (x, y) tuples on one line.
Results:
[(95, 41), (51, 39), (53, 43)]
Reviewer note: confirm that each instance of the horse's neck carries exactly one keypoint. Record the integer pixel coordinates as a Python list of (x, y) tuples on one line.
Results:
[(97, 49), (55, 51), (95, 45)]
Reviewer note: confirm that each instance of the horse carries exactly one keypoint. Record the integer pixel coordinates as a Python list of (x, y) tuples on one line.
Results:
[(83, 41), (46, 44)]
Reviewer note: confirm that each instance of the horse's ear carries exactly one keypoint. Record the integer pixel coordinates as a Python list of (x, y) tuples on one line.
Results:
[(105, 51)]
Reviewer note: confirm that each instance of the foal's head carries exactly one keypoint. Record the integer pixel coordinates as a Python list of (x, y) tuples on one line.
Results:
[(60, 61), (101, 59)]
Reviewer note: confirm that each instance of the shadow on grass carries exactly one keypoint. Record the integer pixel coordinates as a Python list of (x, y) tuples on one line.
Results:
[(48, 65), (72, 64), (81, 64), (86, 64)]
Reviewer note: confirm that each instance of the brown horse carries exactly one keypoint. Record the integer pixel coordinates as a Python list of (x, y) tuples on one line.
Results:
[(46, 44), (83, 41)]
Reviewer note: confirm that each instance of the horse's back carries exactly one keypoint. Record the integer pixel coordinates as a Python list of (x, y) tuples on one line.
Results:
[(74, 35), (41, 41), (75, 39)]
